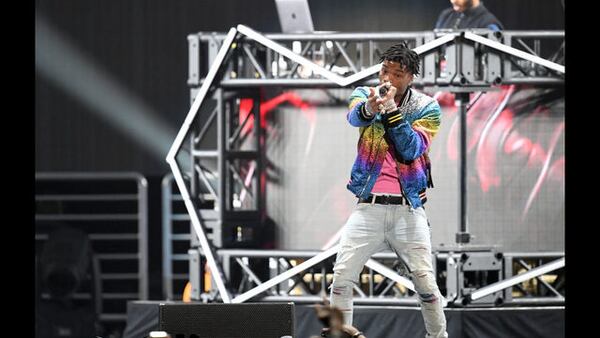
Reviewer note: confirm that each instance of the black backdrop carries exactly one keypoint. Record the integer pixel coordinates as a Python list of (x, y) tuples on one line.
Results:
[(142, 46)]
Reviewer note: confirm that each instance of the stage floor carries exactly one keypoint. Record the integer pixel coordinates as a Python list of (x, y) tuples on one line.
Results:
[(394, 321)]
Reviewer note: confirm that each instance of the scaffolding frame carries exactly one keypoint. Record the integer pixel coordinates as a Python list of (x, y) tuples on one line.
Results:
[(245, 60)]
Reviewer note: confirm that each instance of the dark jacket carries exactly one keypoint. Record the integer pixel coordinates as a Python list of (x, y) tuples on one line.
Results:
[(478, 17)]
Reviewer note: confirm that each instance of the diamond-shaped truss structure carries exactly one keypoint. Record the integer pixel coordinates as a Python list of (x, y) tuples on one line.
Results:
[(244, 58)]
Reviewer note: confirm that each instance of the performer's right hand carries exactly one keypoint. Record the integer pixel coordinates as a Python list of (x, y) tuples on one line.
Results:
[(381, 104), (373, 101)]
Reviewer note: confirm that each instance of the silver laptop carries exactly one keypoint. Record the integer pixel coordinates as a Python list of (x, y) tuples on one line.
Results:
[(294, 16)]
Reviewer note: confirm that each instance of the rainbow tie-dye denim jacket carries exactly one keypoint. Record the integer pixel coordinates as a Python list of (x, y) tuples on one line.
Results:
[(411, 137)]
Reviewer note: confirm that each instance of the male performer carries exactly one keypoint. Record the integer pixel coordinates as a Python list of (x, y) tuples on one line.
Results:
[(389, 178)]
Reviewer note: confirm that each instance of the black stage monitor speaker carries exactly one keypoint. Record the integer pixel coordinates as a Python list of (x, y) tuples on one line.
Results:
[(217, 320)]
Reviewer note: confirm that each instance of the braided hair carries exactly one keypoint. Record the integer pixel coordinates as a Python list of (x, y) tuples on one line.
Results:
[(405, 56)]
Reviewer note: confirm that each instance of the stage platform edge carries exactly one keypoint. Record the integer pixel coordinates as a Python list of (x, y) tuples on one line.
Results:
[(396, 321)]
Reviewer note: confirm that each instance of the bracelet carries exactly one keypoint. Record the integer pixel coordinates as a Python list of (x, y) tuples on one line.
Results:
[(390, 105), (366, 111)]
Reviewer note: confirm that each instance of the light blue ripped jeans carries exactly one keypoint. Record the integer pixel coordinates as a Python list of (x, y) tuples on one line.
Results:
[(374, 227)]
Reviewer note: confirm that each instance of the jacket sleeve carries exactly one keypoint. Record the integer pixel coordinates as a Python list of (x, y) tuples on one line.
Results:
[(357, 102), (412, 140)]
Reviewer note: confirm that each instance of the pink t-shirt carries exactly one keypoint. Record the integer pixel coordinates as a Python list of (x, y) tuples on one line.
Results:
[(388, 181)]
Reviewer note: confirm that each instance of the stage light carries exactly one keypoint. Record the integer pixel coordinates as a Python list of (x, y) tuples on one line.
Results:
[(64, 262)]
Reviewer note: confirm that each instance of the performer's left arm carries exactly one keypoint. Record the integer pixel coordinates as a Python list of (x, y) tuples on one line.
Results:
[(412, 140)]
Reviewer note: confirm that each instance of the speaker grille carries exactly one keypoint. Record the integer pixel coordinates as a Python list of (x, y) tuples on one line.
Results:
[(247, 320)]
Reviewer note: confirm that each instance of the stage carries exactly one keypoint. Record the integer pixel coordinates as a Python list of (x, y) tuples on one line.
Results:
[(246, 198), (396, 321)]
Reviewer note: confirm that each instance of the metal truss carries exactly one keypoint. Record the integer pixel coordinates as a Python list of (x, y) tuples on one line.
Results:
[(208, 248), (244, 60), (305, 277), (515, 280), (530, 278), (472, 277), (474, 57)]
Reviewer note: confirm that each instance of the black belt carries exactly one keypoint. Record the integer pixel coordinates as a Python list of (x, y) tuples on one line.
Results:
[(384, 199)]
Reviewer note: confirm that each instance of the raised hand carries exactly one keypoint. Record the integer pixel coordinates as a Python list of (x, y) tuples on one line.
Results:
[(387, 103), (371, 104)]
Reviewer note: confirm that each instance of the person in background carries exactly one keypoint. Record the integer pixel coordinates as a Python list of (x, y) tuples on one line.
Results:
[(467, 14)]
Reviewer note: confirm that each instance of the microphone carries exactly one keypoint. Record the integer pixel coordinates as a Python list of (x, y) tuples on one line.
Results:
[(381, 90)]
